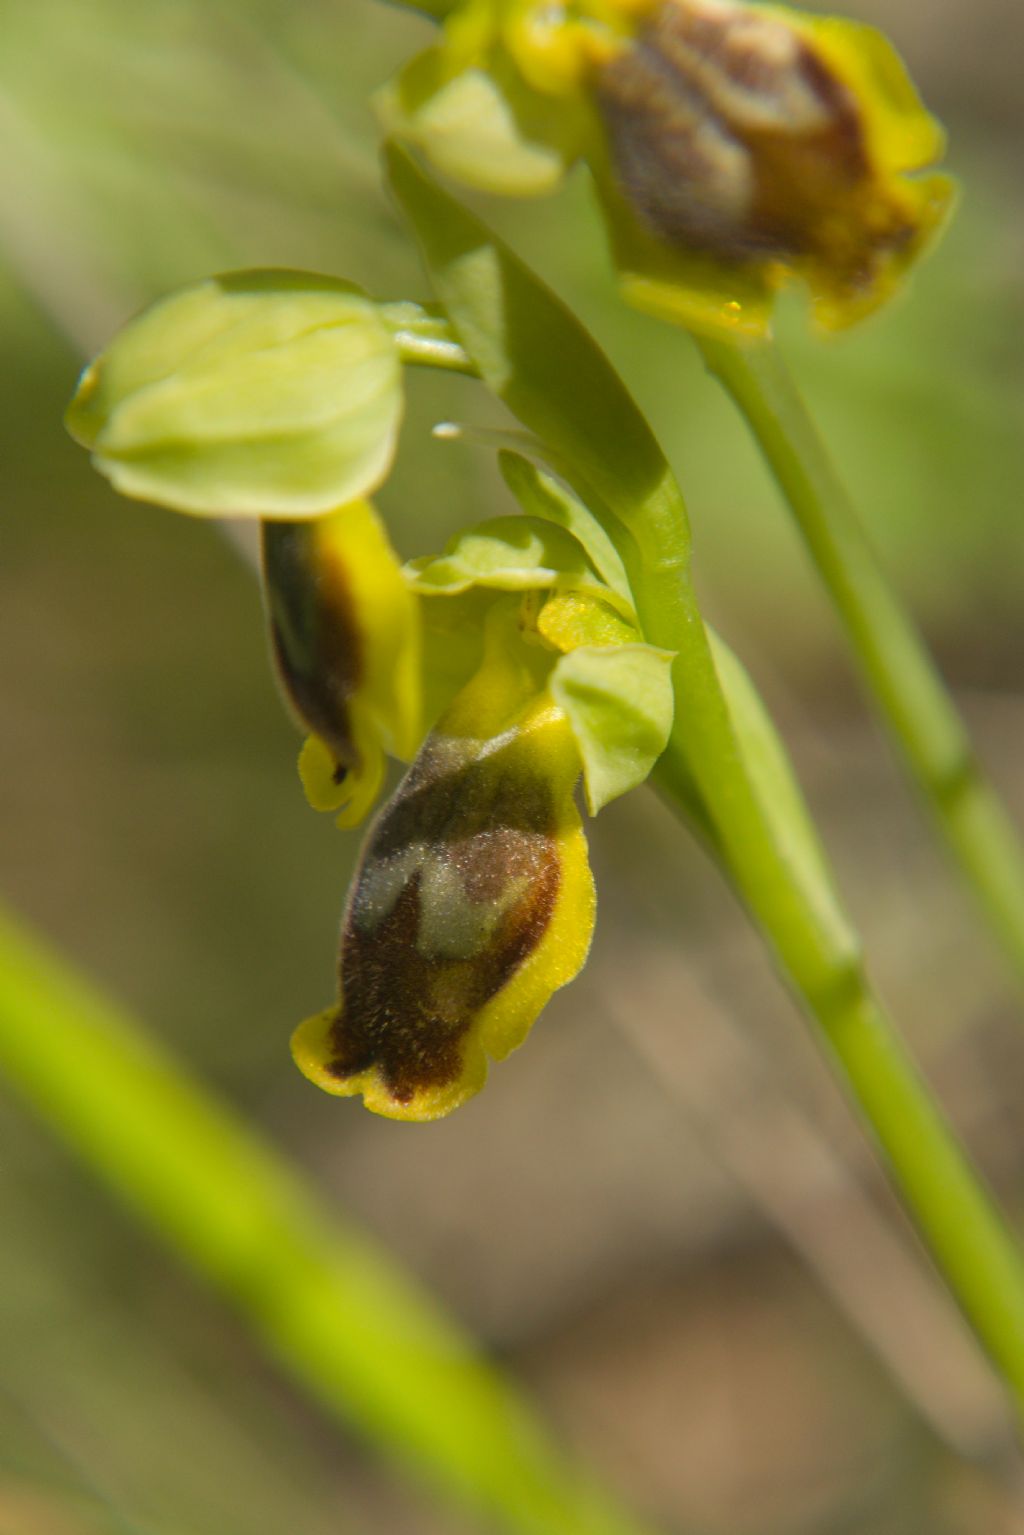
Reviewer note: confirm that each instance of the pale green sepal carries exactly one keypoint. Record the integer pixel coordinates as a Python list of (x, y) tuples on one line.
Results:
[(479, 126), (266, 393), (511, 554), (541, 495), (780, 795), (618, 700)]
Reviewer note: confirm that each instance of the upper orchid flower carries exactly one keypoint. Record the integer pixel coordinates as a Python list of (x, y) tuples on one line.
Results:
[(735, 146)]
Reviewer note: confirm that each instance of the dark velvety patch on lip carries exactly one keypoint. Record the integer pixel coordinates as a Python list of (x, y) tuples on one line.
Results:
[(313, 633), (704, 180), (407, 1010)]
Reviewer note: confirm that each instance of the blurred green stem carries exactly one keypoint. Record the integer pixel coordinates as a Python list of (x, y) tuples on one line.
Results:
[(898, 672), (337, 1313)]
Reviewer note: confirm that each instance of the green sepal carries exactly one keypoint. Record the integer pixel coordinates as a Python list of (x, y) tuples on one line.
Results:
[(512, 554), (482, 126), (264, 393), (541, 495), (618, 701)]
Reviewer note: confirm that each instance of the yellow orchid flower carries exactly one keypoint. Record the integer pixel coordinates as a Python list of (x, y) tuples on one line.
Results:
[(473, 903), (754, 144), (736, 146), (278, 395)]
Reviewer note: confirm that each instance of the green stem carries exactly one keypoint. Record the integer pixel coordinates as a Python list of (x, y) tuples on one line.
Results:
[(337, 1313), (818, 952), (953, 1210), (424, 337), (898, 672)]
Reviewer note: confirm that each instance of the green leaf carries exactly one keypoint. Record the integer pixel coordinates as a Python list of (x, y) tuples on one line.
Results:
[(618, 700), (253, 394), (541, 495), (511, 554)]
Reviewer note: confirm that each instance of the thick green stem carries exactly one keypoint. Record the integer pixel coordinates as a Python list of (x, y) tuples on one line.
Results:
[(897, 670), (954, 1212), (338, 1314), (819, 954)]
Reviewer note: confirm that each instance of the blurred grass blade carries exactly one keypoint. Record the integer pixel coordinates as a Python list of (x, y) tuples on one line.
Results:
[(341, 1318), (903, 682)]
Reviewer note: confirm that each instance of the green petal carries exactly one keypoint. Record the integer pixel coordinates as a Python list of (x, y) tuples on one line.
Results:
[(253, 394), (618, 701), (541, 495), (512, 554)]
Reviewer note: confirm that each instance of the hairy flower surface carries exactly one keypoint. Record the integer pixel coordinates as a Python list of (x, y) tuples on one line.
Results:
[(735, 146), (473, 902)]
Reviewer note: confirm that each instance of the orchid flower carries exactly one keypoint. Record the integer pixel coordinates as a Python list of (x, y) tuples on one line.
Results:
[(735, 147), (505, 669)]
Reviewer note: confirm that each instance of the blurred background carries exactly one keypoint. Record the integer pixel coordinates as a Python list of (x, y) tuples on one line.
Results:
[(660, 1213)]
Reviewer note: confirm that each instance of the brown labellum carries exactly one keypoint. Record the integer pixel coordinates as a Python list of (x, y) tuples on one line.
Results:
[(456, 890), (730, 136)]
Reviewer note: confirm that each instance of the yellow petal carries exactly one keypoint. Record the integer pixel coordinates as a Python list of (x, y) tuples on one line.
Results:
[(345, 635)]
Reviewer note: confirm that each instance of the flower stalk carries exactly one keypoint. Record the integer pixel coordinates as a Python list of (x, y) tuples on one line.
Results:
[(923, 723)]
